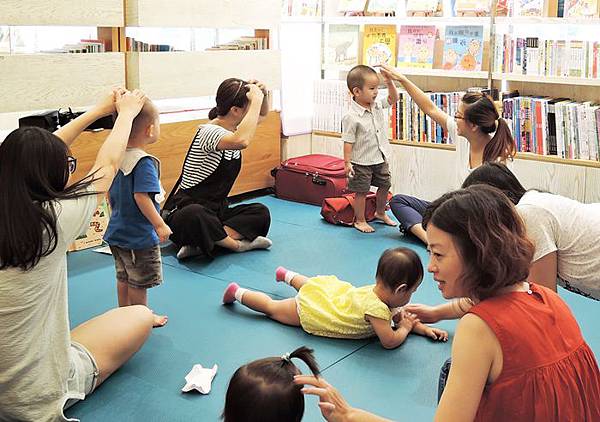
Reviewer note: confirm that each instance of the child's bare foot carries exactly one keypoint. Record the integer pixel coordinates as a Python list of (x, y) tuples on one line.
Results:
[(385, 219), (364, 227), (160, 321)]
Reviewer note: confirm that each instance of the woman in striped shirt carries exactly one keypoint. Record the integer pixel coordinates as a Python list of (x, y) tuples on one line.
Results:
[(198, 213)]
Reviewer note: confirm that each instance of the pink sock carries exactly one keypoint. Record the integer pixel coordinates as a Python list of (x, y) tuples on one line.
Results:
[(229, 293), (280, 273)]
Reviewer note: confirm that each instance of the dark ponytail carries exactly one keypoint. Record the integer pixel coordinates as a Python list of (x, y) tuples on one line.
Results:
[(231, 93), (268, 384), (481, 111)]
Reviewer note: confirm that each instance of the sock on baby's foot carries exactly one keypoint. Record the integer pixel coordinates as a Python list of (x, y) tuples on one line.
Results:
[(188, 251), (285, 275), (232, 293), (260, 242)]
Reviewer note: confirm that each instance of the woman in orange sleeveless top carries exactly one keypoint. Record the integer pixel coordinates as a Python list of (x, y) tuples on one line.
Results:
[(518, 354)]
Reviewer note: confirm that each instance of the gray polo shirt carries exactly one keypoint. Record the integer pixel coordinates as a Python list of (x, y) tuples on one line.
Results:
[(368, 131)]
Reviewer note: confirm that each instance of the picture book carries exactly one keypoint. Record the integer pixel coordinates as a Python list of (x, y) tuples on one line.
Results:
[(351, 6), (424, 7), (472, 7), (415, 46), (379, 45), (382, 6), (341, 45), (463, 48), (581, 8)]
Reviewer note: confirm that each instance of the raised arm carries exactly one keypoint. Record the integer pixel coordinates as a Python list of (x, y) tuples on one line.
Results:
[(419, 97), (110, 155), (240, 139), (450, 310), (392, 90), (264, 108), (69, 132)]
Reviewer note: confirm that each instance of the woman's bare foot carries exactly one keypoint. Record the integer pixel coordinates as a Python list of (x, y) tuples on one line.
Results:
[(385, 219), (160, 321), (363, 226)]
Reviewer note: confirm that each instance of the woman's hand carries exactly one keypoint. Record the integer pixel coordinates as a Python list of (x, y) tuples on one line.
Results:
[(106, 105), (426, 314), (130, 102), (254, 93), (389, 72), (334, 407), (259, 84), (408, 320)]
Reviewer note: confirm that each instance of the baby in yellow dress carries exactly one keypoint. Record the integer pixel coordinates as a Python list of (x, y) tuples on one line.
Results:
[(328, 307)]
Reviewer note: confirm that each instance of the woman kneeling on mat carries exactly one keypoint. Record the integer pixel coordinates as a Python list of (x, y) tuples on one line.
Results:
[(518, 355), (44, 367), (198, 213)]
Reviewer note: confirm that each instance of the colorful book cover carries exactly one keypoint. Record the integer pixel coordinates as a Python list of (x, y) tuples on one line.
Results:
[(341, 48), (581, 8), (463, 48), (415, 46), (379, 45)]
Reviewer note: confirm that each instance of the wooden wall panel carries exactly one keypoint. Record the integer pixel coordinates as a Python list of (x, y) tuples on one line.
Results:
[(592, 185), (259, 158), (40, 81), (62, 12)]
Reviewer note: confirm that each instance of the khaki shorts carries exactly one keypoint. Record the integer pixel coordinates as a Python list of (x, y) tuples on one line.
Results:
[(139, 268), (83, 374), (366, 176)]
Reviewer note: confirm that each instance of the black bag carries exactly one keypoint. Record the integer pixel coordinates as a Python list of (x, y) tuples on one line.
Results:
[(54, 119)]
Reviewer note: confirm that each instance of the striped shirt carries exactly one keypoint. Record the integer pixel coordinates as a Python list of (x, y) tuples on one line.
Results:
[(204, 158), (368, 131)]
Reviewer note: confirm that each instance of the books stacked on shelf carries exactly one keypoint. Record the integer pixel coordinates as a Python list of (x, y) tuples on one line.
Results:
[(331, 101), (409, 123), (379, 45), (341, 45), (554, 126), (424, 8), (416, 46), (581, 8), (243, 43), (140, 46), (85, 46), (302, 7), (537, 56), (463, 48)]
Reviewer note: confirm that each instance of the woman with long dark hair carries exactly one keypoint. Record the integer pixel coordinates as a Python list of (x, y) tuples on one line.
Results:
[(45, 367), (476, 129), (198, 212)]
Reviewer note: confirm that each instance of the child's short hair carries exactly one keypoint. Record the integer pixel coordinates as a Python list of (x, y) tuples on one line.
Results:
[(357, 76), (264, 390), (399, 266), (147, 115)]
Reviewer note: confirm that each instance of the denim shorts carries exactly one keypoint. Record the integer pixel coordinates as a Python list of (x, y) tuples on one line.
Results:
[(139, 268), (83, 374)]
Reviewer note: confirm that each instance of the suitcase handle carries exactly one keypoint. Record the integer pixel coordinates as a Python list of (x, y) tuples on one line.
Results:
[(318, 181)]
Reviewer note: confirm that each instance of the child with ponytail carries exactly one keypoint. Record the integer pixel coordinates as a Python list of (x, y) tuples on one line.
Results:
[(477, 130), (264, 390)]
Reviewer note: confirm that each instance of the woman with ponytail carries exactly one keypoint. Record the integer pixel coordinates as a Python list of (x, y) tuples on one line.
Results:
[(264, 390), (197, 211), (477, 130)]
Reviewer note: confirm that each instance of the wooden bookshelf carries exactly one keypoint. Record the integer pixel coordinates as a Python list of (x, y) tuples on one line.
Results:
[(62, 12), (194, 74), (542, 79), (39, 81), (203, 13)]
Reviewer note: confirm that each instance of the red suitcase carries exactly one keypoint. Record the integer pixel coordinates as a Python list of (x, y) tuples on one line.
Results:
[(310, 178)]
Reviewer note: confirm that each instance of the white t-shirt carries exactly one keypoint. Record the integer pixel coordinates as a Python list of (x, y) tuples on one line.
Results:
[(34, 325), (572, 229)]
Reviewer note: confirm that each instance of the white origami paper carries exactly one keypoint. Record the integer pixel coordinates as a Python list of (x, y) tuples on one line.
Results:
[(200, 379)]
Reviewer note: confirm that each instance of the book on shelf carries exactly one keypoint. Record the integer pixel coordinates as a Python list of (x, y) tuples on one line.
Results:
[(139, 46), (581, 8), (352, 6), (424, 8), (547, 8), (416, 46), (382, 7), (472, 7), (379, 45), (463, 48), (341, 45), (4, 39), (302, 7)]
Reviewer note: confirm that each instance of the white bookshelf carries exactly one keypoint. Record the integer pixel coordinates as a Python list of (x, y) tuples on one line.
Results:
[(541, 20), (546, 79), (62, 12), (263, 14), (39, 81), (194, 74), (406, 20)]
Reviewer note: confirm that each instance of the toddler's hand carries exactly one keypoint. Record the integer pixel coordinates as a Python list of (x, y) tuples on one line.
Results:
[(436, 334), (426, 314), (349, 170), (163, 231), (408, 320)]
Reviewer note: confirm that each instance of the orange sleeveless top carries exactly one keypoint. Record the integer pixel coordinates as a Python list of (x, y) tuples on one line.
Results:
[(549, 373)]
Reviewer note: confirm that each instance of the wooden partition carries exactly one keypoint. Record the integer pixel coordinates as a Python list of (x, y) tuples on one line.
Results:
[(258, 159), (62, 12)]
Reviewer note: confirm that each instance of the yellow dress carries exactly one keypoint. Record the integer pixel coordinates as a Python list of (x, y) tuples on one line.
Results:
[(330, 307)]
